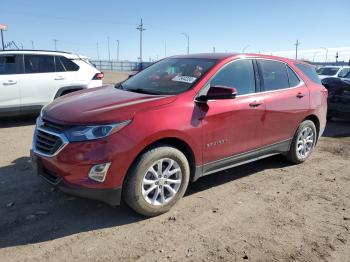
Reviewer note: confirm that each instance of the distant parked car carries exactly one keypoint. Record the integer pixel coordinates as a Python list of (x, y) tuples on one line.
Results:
[(332, 71), (31, 79), (338, 97)]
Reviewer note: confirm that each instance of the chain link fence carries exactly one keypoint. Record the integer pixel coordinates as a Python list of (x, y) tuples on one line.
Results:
[(105, 65)]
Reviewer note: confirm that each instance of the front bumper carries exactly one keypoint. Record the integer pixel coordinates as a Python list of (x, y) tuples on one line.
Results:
[(111, 196)]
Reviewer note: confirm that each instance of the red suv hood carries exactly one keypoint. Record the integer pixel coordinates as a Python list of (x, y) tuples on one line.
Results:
[(101, 105)]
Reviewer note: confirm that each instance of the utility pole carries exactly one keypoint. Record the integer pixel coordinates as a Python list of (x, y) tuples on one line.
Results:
[(33, 45), (117, 50), (109, 50), (297, 43), (188, 42), (98, 51), (55, 41), (141, 29), (214, 49)]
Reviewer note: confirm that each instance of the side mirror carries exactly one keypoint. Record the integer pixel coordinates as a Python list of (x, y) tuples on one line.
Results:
[(218, 92), (132, 73)]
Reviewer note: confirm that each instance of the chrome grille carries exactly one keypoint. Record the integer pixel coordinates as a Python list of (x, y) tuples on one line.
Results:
[(53, 126), (47, 143)]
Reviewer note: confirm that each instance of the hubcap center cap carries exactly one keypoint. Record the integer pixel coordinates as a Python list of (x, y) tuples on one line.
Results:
[(161, 181)]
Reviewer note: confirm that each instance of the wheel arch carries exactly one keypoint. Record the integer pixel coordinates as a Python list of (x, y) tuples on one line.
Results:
[(316, 121), (175, 142), (67, 89)]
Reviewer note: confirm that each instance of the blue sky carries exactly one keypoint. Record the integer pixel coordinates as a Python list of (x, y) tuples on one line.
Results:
[(266, 26)]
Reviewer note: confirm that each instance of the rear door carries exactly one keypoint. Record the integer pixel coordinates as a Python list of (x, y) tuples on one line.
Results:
[(40, 81), (230, 126), (287, 101), (11, 66)]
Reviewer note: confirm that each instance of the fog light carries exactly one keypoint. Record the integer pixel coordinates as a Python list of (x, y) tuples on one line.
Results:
[(99, 172)]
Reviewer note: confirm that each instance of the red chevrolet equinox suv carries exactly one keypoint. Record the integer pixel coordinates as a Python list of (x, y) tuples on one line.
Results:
[(184, 117)]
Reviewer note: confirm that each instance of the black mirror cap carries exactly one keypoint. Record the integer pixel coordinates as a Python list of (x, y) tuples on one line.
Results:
[(218, 92)]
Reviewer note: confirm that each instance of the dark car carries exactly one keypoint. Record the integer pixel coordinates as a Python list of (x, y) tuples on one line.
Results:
[(338, 97)]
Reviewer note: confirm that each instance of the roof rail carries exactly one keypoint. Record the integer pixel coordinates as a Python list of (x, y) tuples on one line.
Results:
[(36, 50)]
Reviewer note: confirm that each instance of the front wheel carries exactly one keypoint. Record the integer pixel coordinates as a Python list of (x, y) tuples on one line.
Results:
[(303, 142), (157, 180)]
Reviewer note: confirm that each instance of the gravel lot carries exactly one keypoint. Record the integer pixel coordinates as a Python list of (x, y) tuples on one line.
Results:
[(269, 210)]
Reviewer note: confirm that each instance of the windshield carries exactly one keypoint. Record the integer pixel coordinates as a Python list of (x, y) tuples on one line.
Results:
[(169, 77), (327, 71)]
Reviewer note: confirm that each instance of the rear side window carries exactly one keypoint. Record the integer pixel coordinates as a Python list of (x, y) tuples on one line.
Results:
[(293, 79), (310, 72), (11, 64), (39, 64), (68, 64), (274, 75), (58, 64), (238, 74)]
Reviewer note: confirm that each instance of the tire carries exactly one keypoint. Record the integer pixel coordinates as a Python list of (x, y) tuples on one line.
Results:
[(302, 139), (142, 178)]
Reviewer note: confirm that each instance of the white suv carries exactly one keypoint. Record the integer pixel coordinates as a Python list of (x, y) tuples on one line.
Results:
[(31, 79), (333, 71)]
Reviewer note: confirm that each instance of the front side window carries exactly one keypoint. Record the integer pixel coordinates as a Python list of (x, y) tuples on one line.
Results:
[(274, 75), (238, 74), (11, 64), (169, 76), (39, 64)]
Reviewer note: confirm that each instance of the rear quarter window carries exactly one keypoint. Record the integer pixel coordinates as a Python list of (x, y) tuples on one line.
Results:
[(309, 71), (68, 64)]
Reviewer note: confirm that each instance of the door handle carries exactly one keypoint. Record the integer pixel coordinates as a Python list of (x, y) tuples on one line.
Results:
[(9, 83), (59, 78), (300, 95), (255, 104)]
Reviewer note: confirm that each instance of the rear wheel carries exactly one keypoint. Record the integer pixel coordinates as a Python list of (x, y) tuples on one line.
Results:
[(303, 142), (157, 180)]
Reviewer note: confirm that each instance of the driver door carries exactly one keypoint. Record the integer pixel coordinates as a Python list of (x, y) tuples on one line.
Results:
[(231, 126)]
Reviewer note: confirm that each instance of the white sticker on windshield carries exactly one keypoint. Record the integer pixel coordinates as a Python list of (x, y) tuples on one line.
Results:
[(184, 79)]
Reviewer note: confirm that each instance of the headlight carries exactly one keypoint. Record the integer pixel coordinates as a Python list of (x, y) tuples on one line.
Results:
[(83, 133)]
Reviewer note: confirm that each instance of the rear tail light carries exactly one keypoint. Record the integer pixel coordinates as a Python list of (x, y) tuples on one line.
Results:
[(98, 76)]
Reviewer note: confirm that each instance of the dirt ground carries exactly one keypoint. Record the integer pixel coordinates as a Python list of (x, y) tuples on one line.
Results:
[(269, 210)]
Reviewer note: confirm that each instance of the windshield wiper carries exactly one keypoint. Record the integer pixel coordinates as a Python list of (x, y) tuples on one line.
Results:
[(142, 91)]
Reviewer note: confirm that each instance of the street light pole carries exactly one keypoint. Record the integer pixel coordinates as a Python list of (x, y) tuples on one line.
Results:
[(117, 50), (297, 43), (326, 49), (141, 29), (188, 42)]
